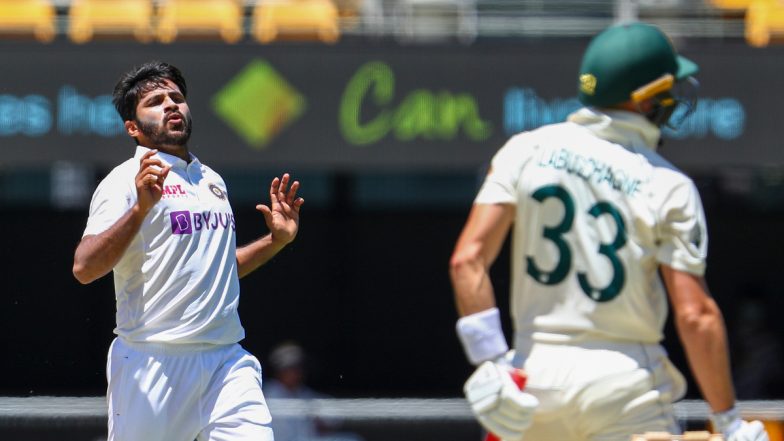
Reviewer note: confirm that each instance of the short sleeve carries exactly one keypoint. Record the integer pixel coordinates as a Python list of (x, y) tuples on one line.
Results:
[(684, 238), (111, 200), (500, 184)]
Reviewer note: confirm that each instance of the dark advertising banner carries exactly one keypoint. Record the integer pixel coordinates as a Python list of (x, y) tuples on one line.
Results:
[(360, 107)]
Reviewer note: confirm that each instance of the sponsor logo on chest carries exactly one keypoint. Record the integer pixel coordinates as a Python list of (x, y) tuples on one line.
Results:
[(187, 222), (173, 191)]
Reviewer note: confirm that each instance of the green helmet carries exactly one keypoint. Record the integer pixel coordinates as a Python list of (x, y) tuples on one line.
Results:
[(623, 58)]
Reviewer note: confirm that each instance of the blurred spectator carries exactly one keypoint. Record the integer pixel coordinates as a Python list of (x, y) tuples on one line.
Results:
[(287, 362)]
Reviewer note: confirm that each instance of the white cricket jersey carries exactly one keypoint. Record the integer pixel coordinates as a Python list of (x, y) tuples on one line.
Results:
[(177, 281), (597, 211)]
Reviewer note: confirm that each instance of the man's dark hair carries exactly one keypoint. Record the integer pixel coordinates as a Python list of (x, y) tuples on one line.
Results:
[(134, 83)]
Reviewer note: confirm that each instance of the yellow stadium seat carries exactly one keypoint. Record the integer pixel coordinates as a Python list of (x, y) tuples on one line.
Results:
[(730, 5), (34, 18), (764, 21), (295, 19), (110, 18), (200, 19), (350, 9)]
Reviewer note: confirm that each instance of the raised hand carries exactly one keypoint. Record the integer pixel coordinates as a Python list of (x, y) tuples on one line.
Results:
[(282, 215), (149, 180)]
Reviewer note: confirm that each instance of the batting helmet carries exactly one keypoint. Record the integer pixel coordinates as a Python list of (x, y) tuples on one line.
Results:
[(628, 58)]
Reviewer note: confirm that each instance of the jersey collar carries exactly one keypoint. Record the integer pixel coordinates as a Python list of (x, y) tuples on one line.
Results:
[(168, 159), (619, 126)]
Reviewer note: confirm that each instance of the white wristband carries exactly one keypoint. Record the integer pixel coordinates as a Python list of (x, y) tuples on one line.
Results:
[(726, 422), (482, 336)]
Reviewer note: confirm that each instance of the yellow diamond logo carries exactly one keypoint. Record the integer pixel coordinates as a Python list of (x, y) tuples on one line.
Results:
[(258, 103)]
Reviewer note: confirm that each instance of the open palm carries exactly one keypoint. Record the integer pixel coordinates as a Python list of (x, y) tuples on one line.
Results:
[(282, 215)]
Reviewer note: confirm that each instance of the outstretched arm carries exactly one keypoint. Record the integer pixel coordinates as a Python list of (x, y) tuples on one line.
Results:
[(96, 255), (282, 219)]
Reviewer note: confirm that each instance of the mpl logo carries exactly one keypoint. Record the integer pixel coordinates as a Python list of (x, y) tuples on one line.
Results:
[(181, 222), (173, 191)]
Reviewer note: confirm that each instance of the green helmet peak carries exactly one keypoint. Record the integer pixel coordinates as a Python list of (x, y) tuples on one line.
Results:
[(624, 58)]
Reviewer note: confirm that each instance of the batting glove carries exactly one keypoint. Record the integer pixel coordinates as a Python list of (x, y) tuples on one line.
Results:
[(734, 428), (497, 403)]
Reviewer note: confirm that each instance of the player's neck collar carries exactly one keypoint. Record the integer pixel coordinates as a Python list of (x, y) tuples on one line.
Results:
[(619, 126), (169, 159)]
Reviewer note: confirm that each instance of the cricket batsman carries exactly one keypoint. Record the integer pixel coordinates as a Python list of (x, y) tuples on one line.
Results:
[(605, 232)]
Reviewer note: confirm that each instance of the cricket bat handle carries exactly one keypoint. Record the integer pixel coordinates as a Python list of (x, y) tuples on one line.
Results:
[(518, 376)]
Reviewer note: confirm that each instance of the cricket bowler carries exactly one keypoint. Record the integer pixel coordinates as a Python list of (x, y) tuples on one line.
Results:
[(162, 222)]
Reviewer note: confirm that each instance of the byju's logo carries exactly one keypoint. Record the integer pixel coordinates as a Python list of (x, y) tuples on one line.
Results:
[(181, 222)]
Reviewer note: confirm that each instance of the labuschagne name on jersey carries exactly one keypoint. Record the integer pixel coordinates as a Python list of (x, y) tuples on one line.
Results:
[(590, 169)]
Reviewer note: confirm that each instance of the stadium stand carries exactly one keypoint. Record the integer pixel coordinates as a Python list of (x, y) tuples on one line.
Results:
[(28, 18), (731, 5), (436, 19), (110, 18), (295, 19), (764, 22), (266, 21), (202, 19)]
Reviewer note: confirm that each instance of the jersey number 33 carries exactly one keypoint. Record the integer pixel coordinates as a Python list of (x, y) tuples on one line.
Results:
[(555, 234)]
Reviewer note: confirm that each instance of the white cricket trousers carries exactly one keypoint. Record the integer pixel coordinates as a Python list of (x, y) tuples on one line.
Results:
[(600, 391), (168, 392)]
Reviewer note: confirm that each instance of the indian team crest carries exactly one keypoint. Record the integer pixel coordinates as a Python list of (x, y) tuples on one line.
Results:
[(218, 192)]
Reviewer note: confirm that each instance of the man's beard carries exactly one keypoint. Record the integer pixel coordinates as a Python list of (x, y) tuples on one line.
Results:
[(158, 135)]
